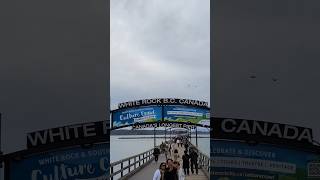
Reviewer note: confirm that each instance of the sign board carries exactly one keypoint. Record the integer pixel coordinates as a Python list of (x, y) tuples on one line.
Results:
[(163, 101), (65, 164), (123, 117), (239, 161), (75, 134), (163, 124), (261, 131), (178, 113), (160, 113)]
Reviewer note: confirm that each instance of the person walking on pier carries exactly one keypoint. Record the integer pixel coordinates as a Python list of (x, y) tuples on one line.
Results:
[(194, 160), (156, 153), (185, 162), (186, 146), (159, 174), (166, 152), (162, 147), (181, 175), (171, 172), (178, 142), (175, 154)]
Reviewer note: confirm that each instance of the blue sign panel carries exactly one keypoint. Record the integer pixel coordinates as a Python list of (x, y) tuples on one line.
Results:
[(240, 161), (68, 164), (136, 115), (180, 113)]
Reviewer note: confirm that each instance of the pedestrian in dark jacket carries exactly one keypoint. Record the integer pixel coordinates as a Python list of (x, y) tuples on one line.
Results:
[(185, 162), (186, 146), (194, 160), (156, 153), (171, 172)]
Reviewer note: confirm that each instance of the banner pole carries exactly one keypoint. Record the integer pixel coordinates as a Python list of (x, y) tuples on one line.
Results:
[(154, 137), (197, 136)]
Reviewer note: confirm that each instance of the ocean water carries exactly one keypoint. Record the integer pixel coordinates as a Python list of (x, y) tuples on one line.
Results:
[(123, 148)]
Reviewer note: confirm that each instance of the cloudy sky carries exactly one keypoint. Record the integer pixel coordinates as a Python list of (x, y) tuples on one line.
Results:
[(159, 48), (53, 68), (269, 39)]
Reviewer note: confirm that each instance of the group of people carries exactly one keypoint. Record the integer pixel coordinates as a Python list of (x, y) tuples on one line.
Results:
[(171, 169), (190, 160)]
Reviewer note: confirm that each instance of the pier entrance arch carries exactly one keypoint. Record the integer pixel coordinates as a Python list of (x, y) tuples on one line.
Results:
[(161, 112)]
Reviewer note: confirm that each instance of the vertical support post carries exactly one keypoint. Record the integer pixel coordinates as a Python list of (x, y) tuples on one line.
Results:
[(121, 169), (162, 113), (139, 160), (143, 157), (197, 137), (112, 172), (165, 134), (129, 165), (154, 137)]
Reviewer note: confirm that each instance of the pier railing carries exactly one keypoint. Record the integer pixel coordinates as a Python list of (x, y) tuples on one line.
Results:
[(124, 168)]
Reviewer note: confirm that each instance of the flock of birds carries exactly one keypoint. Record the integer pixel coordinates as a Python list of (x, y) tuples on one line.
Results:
[(254, 77), (251, 77)]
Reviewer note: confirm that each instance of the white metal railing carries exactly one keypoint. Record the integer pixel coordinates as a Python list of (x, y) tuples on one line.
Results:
[(126, 167)]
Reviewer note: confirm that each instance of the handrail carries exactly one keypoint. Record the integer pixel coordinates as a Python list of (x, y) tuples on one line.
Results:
[(139, 161)]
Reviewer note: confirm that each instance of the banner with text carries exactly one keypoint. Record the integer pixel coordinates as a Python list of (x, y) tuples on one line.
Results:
[(123, 117), (261, 131), (68, 164), (163, 101), (187, 114), (76, 134), (240, 161), (163, 124)]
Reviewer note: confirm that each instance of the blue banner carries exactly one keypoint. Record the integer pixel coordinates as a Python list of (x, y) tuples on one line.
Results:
[(187, 114), (68, 164), (240, 161), (136, 115)]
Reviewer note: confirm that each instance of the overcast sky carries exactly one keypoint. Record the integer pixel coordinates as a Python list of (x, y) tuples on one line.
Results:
[(53, 60), (270, 39), (159, 48), (53, 66)]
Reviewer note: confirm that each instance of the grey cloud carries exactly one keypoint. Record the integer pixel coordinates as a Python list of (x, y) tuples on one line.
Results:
[(268, 39), (53, 66), (158, 48)]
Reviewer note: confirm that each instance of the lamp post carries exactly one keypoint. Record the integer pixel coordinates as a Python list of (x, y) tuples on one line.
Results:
[(165, 134)]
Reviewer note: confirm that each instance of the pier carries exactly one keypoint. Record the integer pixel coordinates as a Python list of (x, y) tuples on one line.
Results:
[(143, 165)]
